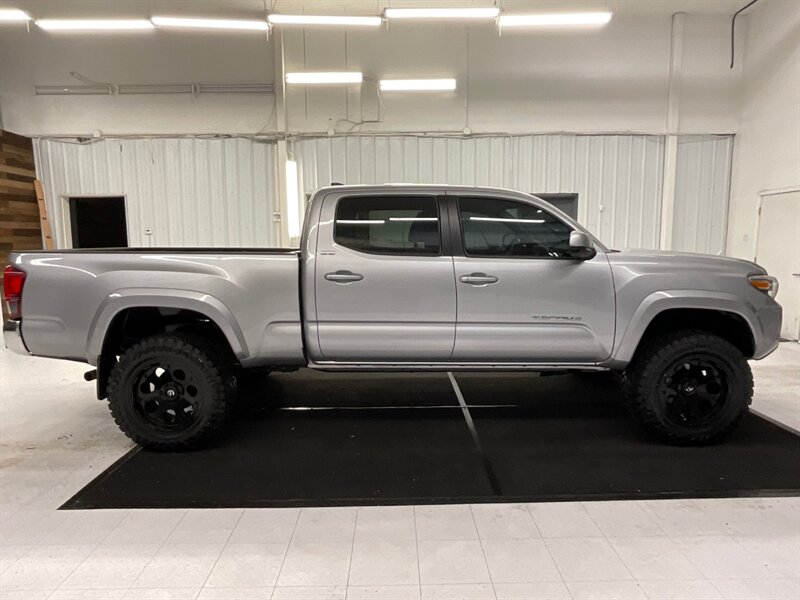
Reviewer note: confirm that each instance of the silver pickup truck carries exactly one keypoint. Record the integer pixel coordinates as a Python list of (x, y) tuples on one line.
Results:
[(399, 277)]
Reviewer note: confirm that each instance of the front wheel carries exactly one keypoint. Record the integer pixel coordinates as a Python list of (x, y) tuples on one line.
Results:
[(170, 391), (689, 387)]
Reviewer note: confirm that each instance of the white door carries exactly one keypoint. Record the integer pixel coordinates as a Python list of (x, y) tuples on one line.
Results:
[(778, 251)]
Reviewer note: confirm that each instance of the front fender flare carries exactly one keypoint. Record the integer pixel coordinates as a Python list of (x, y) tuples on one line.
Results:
[(199, 302), (663, 300)]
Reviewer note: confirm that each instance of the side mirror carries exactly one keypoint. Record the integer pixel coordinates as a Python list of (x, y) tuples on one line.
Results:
[(581, 246)]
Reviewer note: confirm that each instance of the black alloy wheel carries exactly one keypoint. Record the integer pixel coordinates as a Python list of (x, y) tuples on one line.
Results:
[(694, 390), (171, 391)]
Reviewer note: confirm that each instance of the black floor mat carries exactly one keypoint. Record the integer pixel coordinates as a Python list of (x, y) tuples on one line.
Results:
[(315, 439)]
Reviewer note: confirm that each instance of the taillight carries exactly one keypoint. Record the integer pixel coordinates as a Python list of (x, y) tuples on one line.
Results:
[(13, 280)]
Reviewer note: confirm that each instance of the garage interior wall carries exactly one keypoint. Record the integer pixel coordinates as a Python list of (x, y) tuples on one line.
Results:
[(767, 150), (702, 190), (178, 191), (217, 192), (611, 87), (613, 79), (618, 178)]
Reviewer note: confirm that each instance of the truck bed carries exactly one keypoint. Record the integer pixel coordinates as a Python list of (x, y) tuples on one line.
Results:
[(162, 250), (252, 294)]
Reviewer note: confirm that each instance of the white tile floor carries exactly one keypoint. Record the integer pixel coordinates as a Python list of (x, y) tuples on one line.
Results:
[(54, 439)]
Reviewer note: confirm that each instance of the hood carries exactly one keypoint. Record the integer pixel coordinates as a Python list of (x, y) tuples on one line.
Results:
[(687, 260)]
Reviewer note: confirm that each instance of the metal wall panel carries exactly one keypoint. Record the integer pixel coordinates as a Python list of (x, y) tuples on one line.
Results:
[(187, 191), (702, 189), (218, 192), (618, 178)]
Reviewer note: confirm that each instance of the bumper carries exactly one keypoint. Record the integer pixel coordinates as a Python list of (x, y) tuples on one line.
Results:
[(769, 317), (12, 334)]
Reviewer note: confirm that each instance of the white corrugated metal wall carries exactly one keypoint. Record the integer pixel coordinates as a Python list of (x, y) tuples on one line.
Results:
[(618, 178), (222, 191), (186, 191), (702, 189)]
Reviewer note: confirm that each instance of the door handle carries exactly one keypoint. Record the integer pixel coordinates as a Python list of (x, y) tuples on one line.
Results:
[(478, 279), (343, 277)]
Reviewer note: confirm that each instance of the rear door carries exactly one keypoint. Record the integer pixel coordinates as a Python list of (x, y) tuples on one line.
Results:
[(385, 289), (520, 298)]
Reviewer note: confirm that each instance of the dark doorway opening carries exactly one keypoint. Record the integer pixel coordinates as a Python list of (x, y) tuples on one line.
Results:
[(567, 203), (98, 222)]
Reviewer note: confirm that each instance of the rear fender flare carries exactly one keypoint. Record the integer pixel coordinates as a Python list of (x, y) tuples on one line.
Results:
[(201, 303)]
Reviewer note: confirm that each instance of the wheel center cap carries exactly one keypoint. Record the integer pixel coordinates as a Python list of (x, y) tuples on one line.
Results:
[(171, 393), (688, 389)]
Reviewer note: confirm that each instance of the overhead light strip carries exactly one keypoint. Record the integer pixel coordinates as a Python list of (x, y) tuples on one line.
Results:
[(356, 21), (73, 90), (193, 23), (417, 85), (555, 19), (324, 77), (235, 88), (156, 88), (441, 13), (13, 15), (93, 24)]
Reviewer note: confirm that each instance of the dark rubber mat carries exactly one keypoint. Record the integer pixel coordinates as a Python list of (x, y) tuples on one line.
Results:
[(315, 439)]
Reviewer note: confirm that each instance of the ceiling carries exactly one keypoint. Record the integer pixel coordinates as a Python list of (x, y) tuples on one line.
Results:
[(255, 8)]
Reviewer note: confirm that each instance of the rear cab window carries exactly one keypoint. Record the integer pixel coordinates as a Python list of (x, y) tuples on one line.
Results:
[(400, 225)]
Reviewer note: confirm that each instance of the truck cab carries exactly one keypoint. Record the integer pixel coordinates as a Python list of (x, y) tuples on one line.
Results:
[(419, 276)]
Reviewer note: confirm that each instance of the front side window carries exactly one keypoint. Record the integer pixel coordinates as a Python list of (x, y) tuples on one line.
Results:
[(388, 224), (504, 228)]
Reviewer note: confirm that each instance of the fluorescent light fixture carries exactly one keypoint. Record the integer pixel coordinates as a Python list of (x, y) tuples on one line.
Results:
[(442, 13), (371, 21), (555, 19), (93, 24), (324, 77), (246, 25), (155, 88), (235, 88), (72, 90), (13, 15), (292, 200), (417, 85)]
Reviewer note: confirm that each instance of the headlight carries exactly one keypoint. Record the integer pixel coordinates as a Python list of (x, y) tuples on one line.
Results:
[(765, 283)]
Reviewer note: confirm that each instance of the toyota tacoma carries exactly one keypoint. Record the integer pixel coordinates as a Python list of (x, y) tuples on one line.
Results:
[(399, 278)]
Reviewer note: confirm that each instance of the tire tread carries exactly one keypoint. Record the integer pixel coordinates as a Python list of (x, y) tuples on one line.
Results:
[(645, 368), (193, 347)]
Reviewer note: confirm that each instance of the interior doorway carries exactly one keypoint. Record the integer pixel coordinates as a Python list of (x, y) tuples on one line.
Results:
[(98, 222), (778, 251)]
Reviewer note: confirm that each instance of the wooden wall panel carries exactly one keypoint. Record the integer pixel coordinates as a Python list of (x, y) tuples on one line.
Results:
[(20, 228), (19, 213)]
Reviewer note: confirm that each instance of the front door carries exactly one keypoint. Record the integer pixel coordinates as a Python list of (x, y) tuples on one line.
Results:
[(520, 298), (384, 290), (779, 253)]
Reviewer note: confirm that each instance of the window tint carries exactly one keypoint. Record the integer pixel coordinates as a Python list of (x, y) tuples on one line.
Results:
[(388, 224), (493, 227)]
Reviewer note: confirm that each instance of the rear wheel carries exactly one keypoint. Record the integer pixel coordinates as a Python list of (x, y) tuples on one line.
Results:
[(689, 387), (170, 391)]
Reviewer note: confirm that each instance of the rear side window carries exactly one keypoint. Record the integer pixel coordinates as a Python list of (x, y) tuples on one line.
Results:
[(388, 224), (504, 228)]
